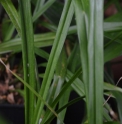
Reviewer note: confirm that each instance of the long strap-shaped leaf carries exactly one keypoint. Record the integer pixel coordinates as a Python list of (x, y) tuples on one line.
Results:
[(91, 46), (95, 59), (57, 83), (42, 9), (39, 4), (28, 56), (11, 11), (82, 35), (56, 50), (64, 88)]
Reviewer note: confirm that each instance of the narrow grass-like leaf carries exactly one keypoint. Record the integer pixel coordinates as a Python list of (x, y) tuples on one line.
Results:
[(116, 37), (77, 85), (82, 35), (8, 31), (115, 18), (49, 26), (56, 50), (39, 4), (64, 99), (28, 57), (65, 87), (112, 51), (82, 25), (114, 48), (11, 11), (111, 87), (62, 102), (93, 67), (107, 27), (40, 40), (112, 26), (42, 64), (41, 53), (58, 82), (42, 9), (95, 60), (106, 115), (53, 14), (63, 107), (74, 77), (59, 77), (73, 60)]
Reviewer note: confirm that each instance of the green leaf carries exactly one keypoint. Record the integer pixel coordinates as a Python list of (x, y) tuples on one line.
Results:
[(115, 18), (55, 53), (62, 102), (112, 26), (41, 53), (77, 85), (62, 108), (65, 87), (40, 40), (7, 30), (28, 56), (90, 36), (58, 81), (110, 87), (40, 10), (59, 77), (39, 4), (11, 11), (53, 14), (106, 115), (112, 51), (73, 60)]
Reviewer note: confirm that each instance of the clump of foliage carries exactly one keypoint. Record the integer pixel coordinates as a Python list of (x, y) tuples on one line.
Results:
[(81, 42)]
